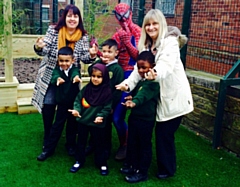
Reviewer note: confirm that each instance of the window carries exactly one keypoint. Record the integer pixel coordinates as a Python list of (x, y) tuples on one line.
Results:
[(166, 6), (45, 13), (129, 2)]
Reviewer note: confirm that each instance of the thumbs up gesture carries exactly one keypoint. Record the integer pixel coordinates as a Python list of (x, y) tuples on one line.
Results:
[(40, 43), (93, 51)]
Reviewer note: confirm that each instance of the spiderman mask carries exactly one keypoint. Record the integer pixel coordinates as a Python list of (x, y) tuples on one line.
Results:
[(122, 16)]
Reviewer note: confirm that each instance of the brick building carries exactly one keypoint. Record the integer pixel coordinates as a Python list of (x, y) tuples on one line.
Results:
[(213, 29), (213, 48), (212, 26)]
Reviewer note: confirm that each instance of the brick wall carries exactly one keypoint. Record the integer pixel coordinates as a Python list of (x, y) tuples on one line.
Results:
[(109, 23), (214, 33), (148, 5), (204, 88), (177, 19), (214, 36)]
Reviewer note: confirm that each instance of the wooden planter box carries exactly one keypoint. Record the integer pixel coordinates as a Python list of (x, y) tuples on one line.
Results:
[(8, 95), (15, 97)]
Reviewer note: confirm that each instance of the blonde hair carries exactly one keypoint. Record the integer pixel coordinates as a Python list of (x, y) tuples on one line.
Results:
[(157, 16)]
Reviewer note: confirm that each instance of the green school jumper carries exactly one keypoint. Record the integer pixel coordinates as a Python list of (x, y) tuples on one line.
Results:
[(89, 113), (145, 96), (66, 92), (116, 75)]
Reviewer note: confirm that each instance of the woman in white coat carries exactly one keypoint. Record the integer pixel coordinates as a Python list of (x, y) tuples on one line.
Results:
[(175, 99)]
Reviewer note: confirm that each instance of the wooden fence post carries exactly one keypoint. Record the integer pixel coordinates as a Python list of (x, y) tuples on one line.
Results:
[(79, 4), (7, 12)]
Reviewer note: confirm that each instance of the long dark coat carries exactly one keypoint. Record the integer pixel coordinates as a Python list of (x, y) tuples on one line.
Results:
[(49, 61)]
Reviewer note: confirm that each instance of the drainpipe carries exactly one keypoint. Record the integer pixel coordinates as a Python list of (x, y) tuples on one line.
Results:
[(141, 12), (55, 11), (40, 16), (185, 27)]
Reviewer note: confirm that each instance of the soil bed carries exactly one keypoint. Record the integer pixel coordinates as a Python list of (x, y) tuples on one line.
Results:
[(24, 69)]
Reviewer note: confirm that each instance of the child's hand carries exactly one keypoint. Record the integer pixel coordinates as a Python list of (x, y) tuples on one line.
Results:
[(151, 75), (60, 81), (98, 120), (104, 59), (128, 97), (122, 87), (129, 104), (77, 79), (74, 113), (93, 51)]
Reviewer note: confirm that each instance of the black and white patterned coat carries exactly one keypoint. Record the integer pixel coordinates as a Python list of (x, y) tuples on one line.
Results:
[(49, 61)]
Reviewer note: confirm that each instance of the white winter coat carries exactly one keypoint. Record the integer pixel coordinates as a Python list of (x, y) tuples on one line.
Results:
[(175, 93)]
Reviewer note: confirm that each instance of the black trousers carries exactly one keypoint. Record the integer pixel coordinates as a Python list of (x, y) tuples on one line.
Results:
[(62, 116), (139, 148), (108, 135), (165, 145), (97, 138), (48, 114)]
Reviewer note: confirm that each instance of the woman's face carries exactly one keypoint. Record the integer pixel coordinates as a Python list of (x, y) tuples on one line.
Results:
[(72, 20), (152, 29)]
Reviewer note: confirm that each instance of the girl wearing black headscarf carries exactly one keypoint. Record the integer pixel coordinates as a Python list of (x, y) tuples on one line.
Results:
[(91, 107)]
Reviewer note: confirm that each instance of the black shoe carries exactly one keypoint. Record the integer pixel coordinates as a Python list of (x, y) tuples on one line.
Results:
[(43, 156), (121, 153), (127, 170), (137, 177), (104, 170), (71, 151), (163, 176), (89, 150), (75, 167), (107, 154)]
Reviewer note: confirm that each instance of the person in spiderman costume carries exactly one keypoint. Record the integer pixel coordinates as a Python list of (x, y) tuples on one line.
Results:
[(127, 38)]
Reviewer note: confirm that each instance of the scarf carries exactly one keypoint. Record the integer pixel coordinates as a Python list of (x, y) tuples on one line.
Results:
[(100, 94), (64, 35)]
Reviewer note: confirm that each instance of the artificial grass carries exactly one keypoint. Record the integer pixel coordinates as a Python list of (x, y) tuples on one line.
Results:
[(198, 165)]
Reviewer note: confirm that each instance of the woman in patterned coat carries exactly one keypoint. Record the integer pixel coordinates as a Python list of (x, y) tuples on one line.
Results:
[(69, 31)]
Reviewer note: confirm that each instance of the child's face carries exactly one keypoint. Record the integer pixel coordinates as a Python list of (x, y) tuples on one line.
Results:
[(109, 54), (143, 67), (65, 61), (96, 77)]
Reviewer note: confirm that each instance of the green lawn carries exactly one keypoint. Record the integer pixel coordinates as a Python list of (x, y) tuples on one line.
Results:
[(21, 140)]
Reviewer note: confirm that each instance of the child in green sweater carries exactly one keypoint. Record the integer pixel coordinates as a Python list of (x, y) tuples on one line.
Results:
[(116, 75), (143, 103), (91, 107), (66, 77)]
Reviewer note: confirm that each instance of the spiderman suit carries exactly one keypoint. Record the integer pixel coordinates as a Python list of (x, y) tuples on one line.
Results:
[(127, 38)]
